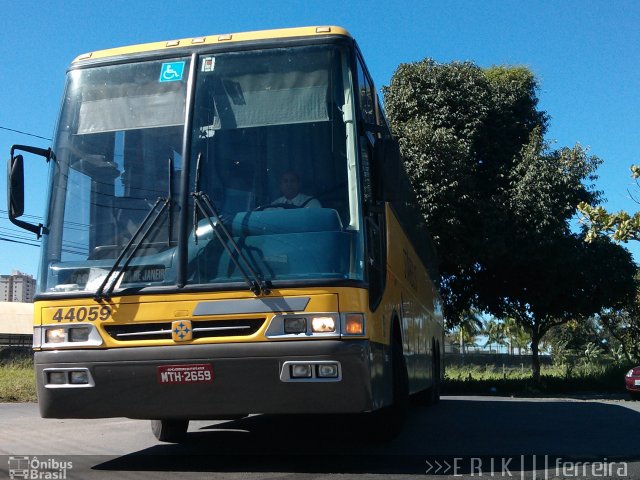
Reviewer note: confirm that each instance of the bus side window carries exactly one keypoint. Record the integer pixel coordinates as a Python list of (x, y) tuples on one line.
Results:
[(374, 217)]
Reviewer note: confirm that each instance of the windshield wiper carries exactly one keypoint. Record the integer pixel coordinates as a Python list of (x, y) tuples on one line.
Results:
[(150, 217), (204, 205), (149, 222)]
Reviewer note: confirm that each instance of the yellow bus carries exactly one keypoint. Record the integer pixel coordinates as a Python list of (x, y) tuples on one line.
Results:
[(229, 231)]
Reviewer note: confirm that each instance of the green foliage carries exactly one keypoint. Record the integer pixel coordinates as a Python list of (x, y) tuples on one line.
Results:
[(620, 226), (598, 378), (17, 381), (466, 329), (618, 355), (621, 329), (547, 185), (517, 335), (496, 333), (564, 358), (459, 129), (591, 353), (574, 336)]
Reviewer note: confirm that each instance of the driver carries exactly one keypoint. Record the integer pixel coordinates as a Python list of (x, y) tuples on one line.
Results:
[(290, 190)]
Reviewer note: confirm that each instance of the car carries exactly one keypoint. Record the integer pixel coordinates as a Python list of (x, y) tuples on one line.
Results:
[(632, 381)]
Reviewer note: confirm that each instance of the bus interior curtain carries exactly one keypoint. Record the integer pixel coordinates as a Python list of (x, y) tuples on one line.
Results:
[(132, 112), (272, 99)]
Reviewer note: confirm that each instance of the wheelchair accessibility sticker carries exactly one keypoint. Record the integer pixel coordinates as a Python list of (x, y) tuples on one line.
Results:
[(171, 72)]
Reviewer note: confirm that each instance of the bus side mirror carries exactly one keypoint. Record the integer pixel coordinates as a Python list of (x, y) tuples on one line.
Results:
[(15, 187), (386, 169)]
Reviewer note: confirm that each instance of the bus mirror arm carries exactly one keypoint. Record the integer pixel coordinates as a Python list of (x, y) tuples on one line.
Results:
[(15, 187)]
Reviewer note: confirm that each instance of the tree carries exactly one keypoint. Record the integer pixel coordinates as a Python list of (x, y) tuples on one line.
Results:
[(498, 200), (496, 333), (575, 335), (517, 336), (622, 326), (559, 280), (620, 226), (460, 128), (469, 327)]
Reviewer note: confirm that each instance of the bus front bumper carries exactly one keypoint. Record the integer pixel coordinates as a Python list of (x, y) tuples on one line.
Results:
[(243, 378)]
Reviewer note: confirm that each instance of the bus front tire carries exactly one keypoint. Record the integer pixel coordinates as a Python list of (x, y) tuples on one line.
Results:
[(172, 431)]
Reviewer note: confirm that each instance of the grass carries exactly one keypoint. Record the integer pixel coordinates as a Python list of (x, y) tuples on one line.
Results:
[(604, 378), (17, 381)]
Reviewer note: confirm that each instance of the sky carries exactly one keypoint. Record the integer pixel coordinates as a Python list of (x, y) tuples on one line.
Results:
[(585, 55)]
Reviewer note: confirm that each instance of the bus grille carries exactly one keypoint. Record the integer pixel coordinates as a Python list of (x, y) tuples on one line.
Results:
[(203, 329)]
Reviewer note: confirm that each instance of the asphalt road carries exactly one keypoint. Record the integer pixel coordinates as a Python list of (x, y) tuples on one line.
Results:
[(497, 437)]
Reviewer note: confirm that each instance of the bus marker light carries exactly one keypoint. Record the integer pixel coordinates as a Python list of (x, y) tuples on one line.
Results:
[(224, 38), (323, 30), (354, 324), (80, 377), (55, 335), (172, 43), (198, 40), (301, 371), (295, 325), (323, 324), (57, 378), (328, 370)]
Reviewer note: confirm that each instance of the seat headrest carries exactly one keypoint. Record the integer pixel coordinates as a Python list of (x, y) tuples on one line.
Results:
[(279, 221)]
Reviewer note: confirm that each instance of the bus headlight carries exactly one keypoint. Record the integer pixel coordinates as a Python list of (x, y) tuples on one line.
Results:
[(55, 335), (323, 324), (304, 326), (67, 336)]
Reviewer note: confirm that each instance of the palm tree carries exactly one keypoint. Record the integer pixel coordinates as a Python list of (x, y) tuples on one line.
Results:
[(517, 335), (469, 327), (496, 333)]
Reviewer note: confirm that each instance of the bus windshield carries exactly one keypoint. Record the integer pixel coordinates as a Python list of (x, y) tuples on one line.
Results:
[(272, 146)]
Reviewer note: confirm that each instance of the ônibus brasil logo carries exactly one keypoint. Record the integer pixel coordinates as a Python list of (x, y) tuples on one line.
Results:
[(34, 468)]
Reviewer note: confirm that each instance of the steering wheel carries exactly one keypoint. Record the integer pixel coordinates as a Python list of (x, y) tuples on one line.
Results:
[(286, 206)]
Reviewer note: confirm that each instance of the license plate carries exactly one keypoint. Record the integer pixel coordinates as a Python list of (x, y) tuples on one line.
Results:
[(637, 383), (181, 374)]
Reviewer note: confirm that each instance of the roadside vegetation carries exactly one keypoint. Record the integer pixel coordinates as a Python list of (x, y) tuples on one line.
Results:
[(492, 380), (17, 380), (591, 355)]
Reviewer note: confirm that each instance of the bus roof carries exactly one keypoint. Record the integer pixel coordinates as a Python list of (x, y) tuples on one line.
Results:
[(215, 39)]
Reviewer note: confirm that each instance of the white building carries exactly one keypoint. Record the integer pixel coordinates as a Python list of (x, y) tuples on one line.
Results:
[(16, 324), (17, 287)]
